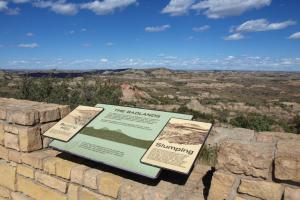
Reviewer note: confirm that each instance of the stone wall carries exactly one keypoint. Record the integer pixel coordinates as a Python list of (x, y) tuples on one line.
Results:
[(250, 165), (30, 170), (253, 165)]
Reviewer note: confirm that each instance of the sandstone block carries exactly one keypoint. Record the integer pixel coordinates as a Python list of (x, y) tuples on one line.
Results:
[(35, 159), (239, 198), (11, 141), (109, 184), (249, 159), (2, 112), (131, 190), (47, 126), (221, 186), (64, 110), (49, 165), (3, 153), (77, 174), (20, 196), (220, 134), (22, 116), (48, 113), (271, 137), (163, 190), (31, 140), (46, 141), (291, 194), (89, 195), (90, 178), (64, 167), (25, 171), (287, 161), (261, 189), (4, 192), (51, 181), (14, 156), (8, 176), (1, 133), (73, 192), (37, 191)]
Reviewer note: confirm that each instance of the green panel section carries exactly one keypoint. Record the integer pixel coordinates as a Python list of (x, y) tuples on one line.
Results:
[(119, 137)]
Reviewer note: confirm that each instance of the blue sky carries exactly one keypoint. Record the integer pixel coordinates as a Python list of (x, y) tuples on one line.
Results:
[(179, 34)]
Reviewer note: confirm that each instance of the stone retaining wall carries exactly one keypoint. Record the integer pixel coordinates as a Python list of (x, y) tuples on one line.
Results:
[(250, 165)]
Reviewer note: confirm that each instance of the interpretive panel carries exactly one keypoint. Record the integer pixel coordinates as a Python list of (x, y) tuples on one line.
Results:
[(119, 137), (66, 128), (178, 145)]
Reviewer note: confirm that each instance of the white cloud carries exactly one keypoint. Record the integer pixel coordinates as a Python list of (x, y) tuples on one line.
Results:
[(29, 34), (9, 11), (71, 32), (86, 45), (201, 28), (260, 25), (29, 45), (104, 60), (222, 8), (157, 28), (60, 7), (21, 1), (109, 44), (178, 7), (106, 6), (295, 36), (235, 36)]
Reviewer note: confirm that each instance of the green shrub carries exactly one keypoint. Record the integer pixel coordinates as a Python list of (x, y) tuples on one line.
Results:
[(196, 114), (253, 121), (208, 155)]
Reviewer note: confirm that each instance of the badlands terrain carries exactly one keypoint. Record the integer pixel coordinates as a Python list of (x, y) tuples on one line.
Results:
[(263, 101)]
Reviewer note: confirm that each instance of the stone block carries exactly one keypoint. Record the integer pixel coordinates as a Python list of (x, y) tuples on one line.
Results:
[(8, 176), (47, 126), (287, 161), (64, 167), (261, 189), (89, 195), (49, 165), (37, 191), (272, 137), (109, 184), (2, 112), (25, 170), (249, 159), (220, 134), (163, 190), (90, 178), (4, 192), (48, 113), (20, 196), (46, 141), (77, 174), (221, 186), (31, 140), (131, 190), (3, 153), (35, 159), (64, 110), (291, 193), (14, 156), (51, 181), (11, 141), (73, 192), (22, 115), (1, 133)]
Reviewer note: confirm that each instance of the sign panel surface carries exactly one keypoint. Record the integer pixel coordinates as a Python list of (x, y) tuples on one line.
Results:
[(178, 145), (66, 128), (119, 137)]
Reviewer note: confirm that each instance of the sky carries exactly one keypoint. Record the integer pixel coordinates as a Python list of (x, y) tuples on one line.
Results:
[(177, 34)]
